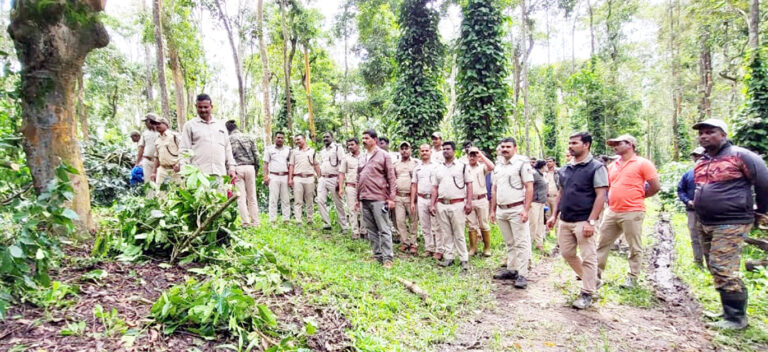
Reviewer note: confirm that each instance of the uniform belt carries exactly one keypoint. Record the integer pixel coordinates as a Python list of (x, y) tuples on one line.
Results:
[(305, 175), (510, 205), (351, 184), (170, 166), (479, 196), (551, 195), (278, 173), (450, 201), (331, 175), (403, 194), (424, 195), (148, 157)]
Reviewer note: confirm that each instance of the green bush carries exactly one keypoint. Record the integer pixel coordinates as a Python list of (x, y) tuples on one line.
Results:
[(108, 168), (669, 176)]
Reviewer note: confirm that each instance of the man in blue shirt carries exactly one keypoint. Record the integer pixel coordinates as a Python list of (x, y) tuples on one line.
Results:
[(686, 189)]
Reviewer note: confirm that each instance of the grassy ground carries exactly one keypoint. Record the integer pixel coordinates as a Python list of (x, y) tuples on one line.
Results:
[(337, 271), (755, 337)]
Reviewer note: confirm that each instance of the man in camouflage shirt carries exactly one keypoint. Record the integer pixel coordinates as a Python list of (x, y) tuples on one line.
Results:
[(244, 152)]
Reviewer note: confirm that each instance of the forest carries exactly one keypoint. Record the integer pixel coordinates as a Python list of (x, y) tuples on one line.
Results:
[(89, 261)]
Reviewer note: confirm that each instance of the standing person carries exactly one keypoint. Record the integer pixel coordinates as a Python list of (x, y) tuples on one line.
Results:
[(452, 189), (583, 187), (244, 152), (626, 204), (437, 148), (135, 137), (421, 191), (479, 167), (686, 190), (376, 197), (510, 206), (208, 141), (276, 158), (383, 143), (726, 177), (550, 176), (536, 216), (146, 156), (348, 184), (166, 153), (405, 218), (302, 168), (330, 160)]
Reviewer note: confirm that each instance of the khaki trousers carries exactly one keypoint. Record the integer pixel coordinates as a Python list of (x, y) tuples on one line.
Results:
[(303, 193), (517, 237), (406, 221), (430, 227), (148, 167), (452, 220), (278, 190), (353, 217), (325, 186), (478, 218), (163, 173), (570, 238), (536, 223), (631, 224), (246, 189)]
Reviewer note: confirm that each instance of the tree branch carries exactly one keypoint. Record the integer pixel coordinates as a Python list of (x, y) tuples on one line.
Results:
[(177, 249)]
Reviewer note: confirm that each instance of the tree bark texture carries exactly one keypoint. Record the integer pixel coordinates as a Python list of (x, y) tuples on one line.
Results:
[(754, 20), (52, 50), (157, 10), (178, 85), (308, 87), (287, 68), (82, 110), (265, 74), (705, 76), (148, 66), (677, 89), (236, 59)]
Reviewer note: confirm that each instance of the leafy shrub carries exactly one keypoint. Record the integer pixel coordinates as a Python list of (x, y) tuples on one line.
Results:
[(669, 176), (108, 168)]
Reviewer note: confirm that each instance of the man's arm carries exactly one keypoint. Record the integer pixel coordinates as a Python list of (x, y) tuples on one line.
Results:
[(492, 212), (528, 200), (653, 187), (390, 170), (757, 173), (141, 154), (489, 165), (682, 189)]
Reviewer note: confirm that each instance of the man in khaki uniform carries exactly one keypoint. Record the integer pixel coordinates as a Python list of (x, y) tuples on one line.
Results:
[(405, 218), (276, 177), (421, 190), (244, 152), (437, 148), (550, 173), (348, 185), (208, 141), (479, 166), (452, 201), (330, 160), (510, 203), (302, 168), (166, 153), (146, 156)]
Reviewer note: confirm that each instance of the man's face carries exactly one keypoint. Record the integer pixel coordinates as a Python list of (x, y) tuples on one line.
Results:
[(204, 109), (279, 140), (711, 137), (161, 127), (368, 141), (437, 142), (327, 139), (473, 156), (508, 149), (622, 147), (353, 147), (405, 152), (299, 141), (448, 152), (148, 124), (550, 163), (135, 138), (425, 153), (383, 144), (576, 147)]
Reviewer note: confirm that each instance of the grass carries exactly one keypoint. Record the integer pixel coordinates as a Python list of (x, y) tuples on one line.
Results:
[(336, 271), (755, 337)]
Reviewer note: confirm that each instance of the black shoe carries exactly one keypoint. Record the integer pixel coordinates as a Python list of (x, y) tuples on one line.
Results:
[(464, 265), (734, 311), (583, 302), (506, 275), (327, 228), (521, 282), (446, 262)]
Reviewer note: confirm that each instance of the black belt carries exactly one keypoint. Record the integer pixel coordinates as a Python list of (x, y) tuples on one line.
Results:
[(510, 205)]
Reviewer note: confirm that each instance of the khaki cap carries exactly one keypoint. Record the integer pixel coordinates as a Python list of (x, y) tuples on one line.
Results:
[(622, 138), (164, 120), (151, 117), (405, 144), (712, 123), (437, 135)]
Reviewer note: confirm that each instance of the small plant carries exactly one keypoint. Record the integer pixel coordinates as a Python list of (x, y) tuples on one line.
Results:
[(111, 321), (73, 329), (94, 276)]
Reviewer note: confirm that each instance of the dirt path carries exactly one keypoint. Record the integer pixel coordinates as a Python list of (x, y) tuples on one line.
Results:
[(540, 318)]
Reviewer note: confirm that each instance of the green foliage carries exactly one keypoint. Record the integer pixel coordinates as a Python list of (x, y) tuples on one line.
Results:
[(108, 167), (483, 98), (750, 129), (420, 102), (550, 122), (669, 176)]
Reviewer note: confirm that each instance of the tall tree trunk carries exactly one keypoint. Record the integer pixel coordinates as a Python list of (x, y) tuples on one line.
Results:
[(674, 11), (148, 66), (705, 76), (157, 10), (265, 74), (308, 87), (178, 84), (287, 68), (82, 110), (236, 58), (754, 20), (591, 29), (52, 50), (525, 38)]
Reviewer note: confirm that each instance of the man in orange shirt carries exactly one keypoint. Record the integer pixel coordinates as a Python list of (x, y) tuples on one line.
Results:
[(626, 204)]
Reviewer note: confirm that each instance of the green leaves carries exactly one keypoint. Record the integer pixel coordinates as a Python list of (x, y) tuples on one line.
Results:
[(749, 130)]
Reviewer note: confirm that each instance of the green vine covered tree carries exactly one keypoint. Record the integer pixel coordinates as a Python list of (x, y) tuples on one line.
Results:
[(550, 123), (420, 102), (482, 92), (751, 128)]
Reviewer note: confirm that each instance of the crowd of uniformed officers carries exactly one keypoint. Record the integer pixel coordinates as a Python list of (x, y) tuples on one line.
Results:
[(380, 194)]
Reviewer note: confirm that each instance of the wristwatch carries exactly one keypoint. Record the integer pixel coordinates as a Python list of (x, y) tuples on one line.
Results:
[(592, 222)]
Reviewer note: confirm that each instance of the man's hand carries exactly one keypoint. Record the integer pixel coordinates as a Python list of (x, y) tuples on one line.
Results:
[(266, 180), (413, 208), (690, 204), (433, 210), (153, 177), (391, 204), (467, 207), (341, 191), (524, 216), (492, 216), (589, 230), (232, 175), (290, 182), (176, 168), (551, 223)]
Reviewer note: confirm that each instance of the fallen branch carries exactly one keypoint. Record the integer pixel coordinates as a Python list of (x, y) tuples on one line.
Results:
[(411, 286), (752, 265), (21, 191), (762, 244), (177, 249)]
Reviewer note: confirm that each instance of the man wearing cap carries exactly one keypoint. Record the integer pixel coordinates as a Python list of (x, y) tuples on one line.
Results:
[(244, 152), (511, 199), (330, 159), (451, 201), (479, 166), (276, 177), (686, 189), (726, 177), (421, 191), (626, 204), (208, 141), (135, 137), (348, 185), (166, 153), (302, 168), (146, 157), (405, 219), (437, 148)]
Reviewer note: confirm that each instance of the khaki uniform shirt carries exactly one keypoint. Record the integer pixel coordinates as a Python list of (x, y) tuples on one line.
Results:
[(437, 156), (477, 175), (349, 168), (277, 158), (404, 174), (422, 177), (451, 180), (147, 141), (510, 177), (330, 159), (303, 161), (167, 149), (549, 176), (209, 143)]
